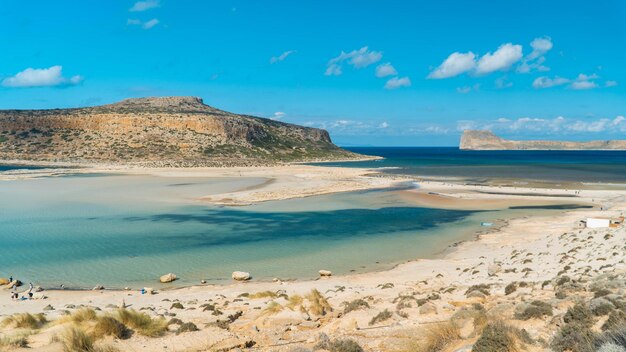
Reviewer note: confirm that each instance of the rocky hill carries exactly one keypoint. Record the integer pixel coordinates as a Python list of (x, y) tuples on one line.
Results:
[(168, 131), (486, 140)]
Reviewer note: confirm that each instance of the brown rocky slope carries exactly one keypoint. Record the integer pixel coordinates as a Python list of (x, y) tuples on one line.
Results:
[(486, 140), (166, 131)]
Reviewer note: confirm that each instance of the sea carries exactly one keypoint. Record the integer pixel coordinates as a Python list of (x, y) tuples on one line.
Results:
[(127, 230)]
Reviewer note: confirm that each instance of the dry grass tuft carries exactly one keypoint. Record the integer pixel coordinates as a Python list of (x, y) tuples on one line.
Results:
[(263, 294), (142, 323), (74, 339), (15, 341), (25, 321), (109, 326), (438, 337), (272, 308), (318, 303)]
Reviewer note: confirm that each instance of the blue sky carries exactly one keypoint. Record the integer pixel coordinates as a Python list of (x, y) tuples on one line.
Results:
[(372, 73)]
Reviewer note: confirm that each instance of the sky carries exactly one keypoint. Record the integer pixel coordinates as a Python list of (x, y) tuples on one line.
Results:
[(393, 73)]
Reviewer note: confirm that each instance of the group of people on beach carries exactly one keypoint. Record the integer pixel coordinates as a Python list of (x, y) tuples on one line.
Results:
[(15, 296)]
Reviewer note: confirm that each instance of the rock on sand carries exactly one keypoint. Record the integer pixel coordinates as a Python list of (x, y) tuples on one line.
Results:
[(168, 278), (241, 276), (325, 273)]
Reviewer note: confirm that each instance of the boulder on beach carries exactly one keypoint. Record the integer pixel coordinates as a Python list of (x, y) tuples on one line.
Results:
[(494, 269), (98, 288), (4, 281), (325, 273), (241, 276), (148, 290), (167, 278)]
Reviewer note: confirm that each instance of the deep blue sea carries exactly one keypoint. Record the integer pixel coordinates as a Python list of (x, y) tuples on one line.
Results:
[(575, 166)]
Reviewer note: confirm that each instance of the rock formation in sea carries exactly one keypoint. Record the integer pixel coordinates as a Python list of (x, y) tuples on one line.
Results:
[(486, 140)]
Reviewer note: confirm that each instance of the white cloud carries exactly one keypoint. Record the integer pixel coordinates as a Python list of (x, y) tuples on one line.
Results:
[(467, 89), (357, 58), (505, 56), (397, 82), (383, 125), (140, 6), (41, 77), (278, 115), (502, 83), (540, 47), (281, 57), (584, 81), (145, 25), (534, 61), (153, 22), (547, 82), (610, 83), (456, 64), (581, 85), (557, 125), (384, 70)]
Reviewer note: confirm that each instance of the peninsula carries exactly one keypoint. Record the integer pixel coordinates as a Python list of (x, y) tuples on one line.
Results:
[(486, 140), (162, 132)]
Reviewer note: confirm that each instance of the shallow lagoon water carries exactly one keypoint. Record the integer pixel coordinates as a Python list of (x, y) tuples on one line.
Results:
[(128, 230)]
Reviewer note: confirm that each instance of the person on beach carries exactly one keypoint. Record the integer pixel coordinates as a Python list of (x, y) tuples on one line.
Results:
[(30, 290)]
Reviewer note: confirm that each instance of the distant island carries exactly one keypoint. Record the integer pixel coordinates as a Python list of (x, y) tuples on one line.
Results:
[(486, 140), (164, 131)]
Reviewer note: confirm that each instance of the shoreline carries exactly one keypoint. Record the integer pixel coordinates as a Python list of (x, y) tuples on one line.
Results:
[(526, 249)]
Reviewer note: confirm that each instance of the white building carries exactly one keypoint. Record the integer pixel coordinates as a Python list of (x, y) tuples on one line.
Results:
[(596, 223)]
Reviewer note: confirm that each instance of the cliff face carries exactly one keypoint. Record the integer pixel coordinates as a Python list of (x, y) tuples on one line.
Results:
[(169, 131), (486, 140)]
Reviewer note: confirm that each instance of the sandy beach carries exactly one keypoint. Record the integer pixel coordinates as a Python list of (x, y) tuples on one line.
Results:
[(413, 296)]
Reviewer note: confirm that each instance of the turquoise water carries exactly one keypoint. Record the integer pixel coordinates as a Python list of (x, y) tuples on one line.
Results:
[(556, 166), (128, 230)]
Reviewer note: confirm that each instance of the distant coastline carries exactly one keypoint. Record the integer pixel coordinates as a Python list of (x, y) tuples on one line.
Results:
[(487, 140)]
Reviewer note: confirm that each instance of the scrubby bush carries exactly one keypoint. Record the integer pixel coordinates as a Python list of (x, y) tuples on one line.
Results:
[(579, 314), (177, 305), (534, 310), (109, 326), (510, 288), (482, 288), (142, 323), (355, 305), (574, 337), (337, 345), (616, 320), (187, 327), (380, 317), (499, 337), (611, 347), (345, 345)]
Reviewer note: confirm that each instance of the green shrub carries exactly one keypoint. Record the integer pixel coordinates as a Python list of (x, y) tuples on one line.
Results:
[(344, 345), (499, 337), (355, 305), (380, 317), (177, 305), (187, 327), (573, 337), (535, 310), (482, 288), (616, 320), (579, 314), (510, 288)]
